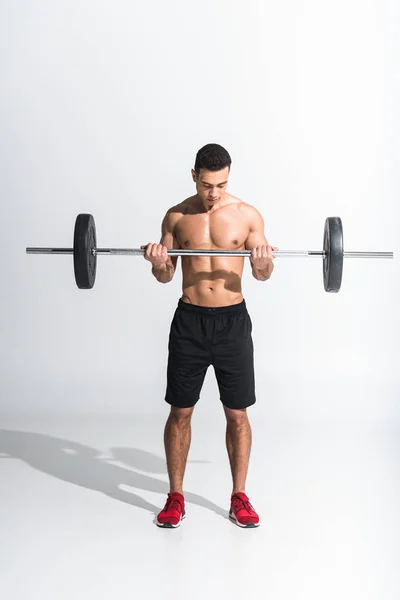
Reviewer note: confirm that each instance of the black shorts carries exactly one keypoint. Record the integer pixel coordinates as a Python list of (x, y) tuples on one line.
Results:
[(202, 336)]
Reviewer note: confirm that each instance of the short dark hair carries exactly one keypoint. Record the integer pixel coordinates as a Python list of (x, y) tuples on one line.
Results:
[(212, 157)]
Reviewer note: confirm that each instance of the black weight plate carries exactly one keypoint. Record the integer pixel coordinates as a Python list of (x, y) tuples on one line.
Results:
[(333, 248), (84, 242)]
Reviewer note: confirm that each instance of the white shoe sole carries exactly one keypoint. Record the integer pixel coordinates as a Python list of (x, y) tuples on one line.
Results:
[(247, 526)]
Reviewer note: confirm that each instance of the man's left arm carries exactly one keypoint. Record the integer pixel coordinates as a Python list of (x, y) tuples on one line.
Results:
[(261, 258)]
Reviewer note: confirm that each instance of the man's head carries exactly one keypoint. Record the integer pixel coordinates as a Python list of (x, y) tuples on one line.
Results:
[(210, 173)]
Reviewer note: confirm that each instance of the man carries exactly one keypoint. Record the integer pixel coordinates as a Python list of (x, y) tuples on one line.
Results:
[(211, 325)]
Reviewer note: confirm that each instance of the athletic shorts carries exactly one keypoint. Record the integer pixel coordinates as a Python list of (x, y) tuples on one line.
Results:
[(202, 336)]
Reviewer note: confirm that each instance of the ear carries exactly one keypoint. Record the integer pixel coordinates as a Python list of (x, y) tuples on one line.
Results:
[(194, 176)]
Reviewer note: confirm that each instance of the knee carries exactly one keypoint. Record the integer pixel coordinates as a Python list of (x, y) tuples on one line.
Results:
[(235, 417), (181, 416)]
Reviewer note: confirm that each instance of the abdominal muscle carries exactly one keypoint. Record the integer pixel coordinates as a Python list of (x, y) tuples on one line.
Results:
[(212, 281)]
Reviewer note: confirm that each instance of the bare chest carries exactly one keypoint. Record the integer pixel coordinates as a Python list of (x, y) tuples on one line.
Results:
[(220, 230)]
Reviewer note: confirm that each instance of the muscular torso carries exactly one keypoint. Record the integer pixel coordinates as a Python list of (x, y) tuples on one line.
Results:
[(212, 281)]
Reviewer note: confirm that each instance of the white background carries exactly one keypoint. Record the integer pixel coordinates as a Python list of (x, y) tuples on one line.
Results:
[(103, 106)]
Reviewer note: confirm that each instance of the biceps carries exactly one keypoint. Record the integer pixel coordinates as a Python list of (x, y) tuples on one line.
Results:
[(254, 239), (170, 241)]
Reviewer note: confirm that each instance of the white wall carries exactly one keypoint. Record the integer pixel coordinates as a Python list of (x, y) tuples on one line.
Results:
[(103, 106)]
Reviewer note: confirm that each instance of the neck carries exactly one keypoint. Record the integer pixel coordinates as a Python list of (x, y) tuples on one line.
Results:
[(210, 208)]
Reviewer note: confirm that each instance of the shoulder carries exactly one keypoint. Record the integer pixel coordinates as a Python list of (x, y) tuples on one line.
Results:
[(176, 212), (251, 214)]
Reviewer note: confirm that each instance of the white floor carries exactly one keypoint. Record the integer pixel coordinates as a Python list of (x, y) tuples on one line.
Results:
[(79, 496)]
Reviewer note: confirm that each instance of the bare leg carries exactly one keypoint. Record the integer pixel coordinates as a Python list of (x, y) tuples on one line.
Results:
[(177, 438), (238, 444)]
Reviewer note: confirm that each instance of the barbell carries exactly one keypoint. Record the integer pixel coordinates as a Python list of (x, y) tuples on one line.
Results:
[(85, 252)]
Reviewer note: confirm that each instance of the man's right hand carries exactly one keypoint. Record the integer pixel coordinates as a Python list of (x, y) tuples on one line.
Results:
[(157, 254)]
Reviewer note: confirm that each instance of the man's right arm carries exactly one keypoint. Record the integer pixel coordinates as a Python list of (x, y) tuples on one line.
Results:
[(163, 265)]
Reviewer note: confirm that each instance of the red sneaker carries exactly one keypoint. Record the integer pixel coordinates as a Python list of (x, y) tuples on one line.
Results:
[(242, 512), (173, 512)]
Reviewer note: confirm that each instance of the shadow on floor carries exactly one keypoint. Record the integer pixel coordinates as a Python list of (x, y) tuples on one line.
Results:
[(84, 466)]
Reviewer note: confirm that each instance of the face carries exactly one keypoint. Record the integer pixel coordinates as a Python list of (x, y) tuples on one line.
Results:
[(211, 186)]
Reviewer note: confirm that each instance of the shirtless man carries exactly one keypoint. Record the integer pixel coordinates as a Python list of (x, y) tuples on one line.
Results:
[(211, 325)]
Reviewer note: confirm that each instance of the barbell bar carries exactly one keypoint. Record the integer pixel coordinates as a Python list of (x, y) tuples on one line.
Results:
[(181, 252), (85, 252)]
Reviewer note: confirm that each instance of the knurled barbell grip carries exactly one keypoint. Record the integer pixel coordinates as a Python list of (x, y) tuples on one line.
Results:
[(202, 252)]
